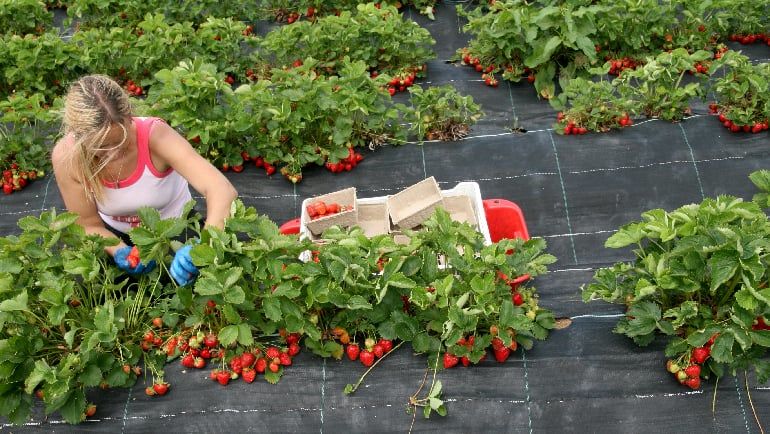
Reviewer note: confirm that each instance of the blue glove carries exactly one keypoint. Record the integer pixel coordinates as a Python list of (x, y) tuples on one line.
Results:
[(182, 268), (123, 262)]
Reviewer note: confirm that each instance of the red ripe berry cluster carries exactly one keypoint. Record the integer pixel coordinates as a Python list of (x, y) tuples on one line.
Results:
[(133, 88), (258, 161), (319, 209), (751, 38), (450, 360), (516, 297), (15, 179), (700, 68), (756, 127), (402, 80), (619, 65), (250, 363), (722, 49), (372, 350), (487, 71), (689, 375), (248, 30), (292, 17), (347, 164), (229, 79), (573, 129)]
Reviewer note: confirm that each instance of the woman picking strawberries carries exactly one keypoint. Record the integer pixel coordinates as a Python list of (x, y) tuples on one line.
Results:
[(109, 164)]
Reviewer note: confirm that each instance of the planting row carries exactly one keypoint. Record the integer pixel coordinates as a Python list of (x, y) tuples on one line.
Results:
[(72, 320), (546, 40)]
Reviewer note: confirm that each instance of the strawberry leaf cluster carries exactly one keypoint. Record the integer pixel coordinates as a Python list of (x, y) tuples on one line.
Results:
[(699, 278)]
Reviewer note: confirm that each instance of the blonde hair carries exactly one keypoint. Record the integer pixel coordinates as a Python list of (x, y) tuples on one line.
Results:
[(92, 106)]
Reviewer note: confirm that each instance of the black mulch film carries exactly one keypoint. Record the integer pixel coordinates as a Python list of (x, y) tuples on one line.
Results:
[(575, 191)]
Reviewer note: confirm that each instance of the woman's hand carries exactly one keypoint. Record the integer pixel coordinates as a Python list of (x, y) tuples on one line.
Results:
[(127, 259), (182, 268)]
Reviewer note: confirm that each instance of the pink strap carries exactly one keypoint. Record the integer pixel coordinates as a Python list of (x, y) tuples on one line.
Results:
[(143, 131)]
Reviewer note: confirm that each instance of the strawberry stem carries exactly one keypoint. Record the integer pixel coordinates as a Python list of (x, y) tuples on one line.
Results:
[(751, 402), (354, 387)]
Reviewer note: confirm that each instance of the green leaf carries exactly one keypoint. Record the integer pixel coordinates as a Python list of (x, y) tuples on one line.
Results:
[(245, 337), (208, 285), (272, 308), (542, 51), (228, 335), (722, 350), (761, 337), (746, 299), (723, 265), (231, 314), (40, 373), (91, 376), (234, 294), (74, 407), (357, 302), (18, 303), (762, 368), (273, 377), (10, 265)]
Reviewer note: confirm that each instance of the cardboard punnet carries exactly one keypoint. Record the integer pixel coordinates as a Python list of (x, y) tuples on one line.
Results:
[(415, 204), (460, 209), (373, 218), (346, 197)]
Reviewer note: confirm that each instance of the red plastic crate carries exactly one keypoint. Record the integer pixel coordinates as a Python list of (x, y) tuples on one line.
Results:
[(505, 220)]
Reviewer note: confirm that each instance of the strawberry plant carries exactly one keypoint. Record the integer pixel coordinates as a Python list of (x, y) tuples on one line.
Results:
[(379, 37), (27, 127), (36, 63), (699, 278), (291, 11), (743, 93), (657, 89), (24, 16), (440, 113), (586, 105)]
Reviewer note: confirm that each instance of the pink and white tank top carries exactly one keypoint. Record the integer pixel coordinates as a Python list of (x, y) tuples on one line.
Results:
[(145, 187)]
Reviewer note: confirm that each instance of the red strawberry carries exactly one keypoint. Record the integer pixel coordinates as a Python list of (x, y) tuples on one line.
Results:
[(285, 359), (378, 351), (293, 349), (269, 169), (450, 360), (366, 357), (272, 352), (213, 374), (700, 354), (199, 363), (497, 343), (261, 365), (249, 375), (238, 168), (692, 371), (235, 365), (188, 361), (386, 344), (517, 299), (352, 351), (160, 388), (292, 338), (247, 359), (274, 367), (149, 391), (210, 340), (223, 377), (693, 383), (465, 361), (7, 188), (90, 410), (205, 353), (501, 355)]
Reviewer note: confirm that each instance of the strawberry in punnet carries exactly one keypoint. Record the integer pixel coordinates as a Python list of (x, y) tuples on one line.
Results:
[(223, 377), (249, 375), (261, 365), (700, 354), (366, 357), (352, 351), (160, 388)]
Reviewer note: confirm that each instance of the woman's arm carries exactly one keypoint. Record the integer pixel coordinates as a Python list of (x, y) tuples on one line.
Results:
[(74, 195), (173, 150)]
